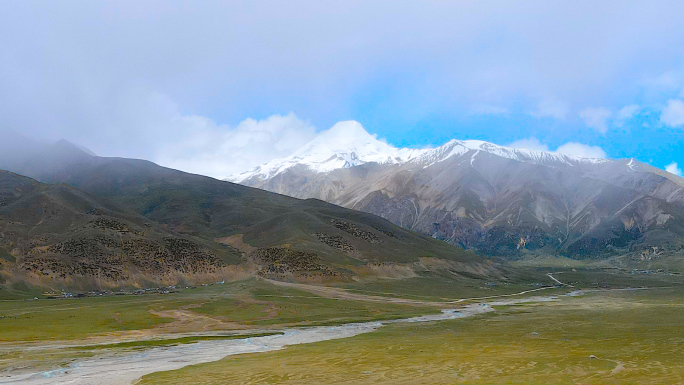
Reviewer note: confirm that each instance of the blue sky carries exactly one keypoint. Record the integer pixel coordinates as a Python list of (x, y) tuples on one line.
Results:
[(216, 87)]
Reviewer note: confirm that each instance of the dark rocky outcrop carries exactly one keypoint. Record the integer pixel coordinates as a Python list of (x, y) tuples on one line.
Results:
[(355, 231), (335, 241), (284, 261)]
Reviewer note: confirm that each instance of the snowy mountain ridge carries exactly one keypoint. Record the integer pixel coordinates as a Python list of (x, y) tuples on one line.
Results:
[(348, 144), (482, 196)]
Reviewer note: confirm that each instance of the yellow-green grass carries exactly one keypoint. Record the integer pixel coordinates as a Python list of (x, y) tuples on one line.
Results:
[(271, 305), (16, 291), (558, 262), (616, 278), (34, 361), (256, 303), (145, 344), (441, 287), (242, 304), (78, 318), (636, 335), (436, 288)]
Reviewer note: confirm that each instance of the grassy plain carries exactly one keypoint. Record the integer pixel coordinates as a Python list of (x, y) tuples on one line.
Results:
[(145, 344), (441, 287), (237, 305), (636, 336), (630, 331), (44, 333), (32, 320), (435, 287)]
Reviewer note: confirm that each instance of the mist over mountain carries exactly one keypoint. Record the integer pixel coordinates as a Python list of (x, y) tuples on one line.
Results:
[(496, 200), (39, 159), (122, 220), (491, 198)]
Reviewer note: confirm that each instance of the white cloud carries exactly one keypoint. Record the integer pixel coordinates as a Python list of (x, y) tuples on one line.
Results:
[(530, 143), (581, 150), (225, 58), (570, 148), (550, 108), (220, 151), (596, 118), (625, 114), (673, 113), (673, 168)]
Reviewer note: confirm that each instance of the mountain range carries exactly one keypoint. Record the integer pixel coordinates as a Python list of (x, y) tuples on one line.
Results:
[(494, 199), (74, 216), (344, 205)]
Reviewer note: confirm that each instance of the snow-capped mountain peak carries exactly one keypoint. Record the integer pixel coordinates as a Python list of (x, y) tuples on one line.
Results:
[(348, 144), (348, 140), (344, 145)]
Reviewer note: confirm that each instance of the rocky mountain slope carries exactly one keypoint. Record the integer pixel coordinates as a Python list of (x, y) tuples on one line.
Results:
[(272, 233), (487, 197)]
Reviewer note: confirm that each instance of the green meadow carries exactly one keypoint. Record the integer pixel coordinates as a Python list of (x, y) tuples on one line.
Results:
[(636, 337), (60, 331), (235, 305)]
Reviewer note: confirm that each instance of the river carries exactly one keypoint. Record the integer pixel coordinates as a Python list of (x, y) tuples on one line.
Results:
[(126, 368)]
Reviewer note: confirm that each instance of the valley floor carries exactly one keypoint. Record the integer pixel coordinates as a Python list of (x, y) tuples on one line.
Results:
[(635, 336), (631, 325)]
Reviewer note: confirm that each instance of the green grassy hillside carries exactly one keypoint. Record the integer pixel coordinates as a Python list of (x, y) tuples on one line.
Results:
[(57, 232), (119, 220), (212, 209)]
